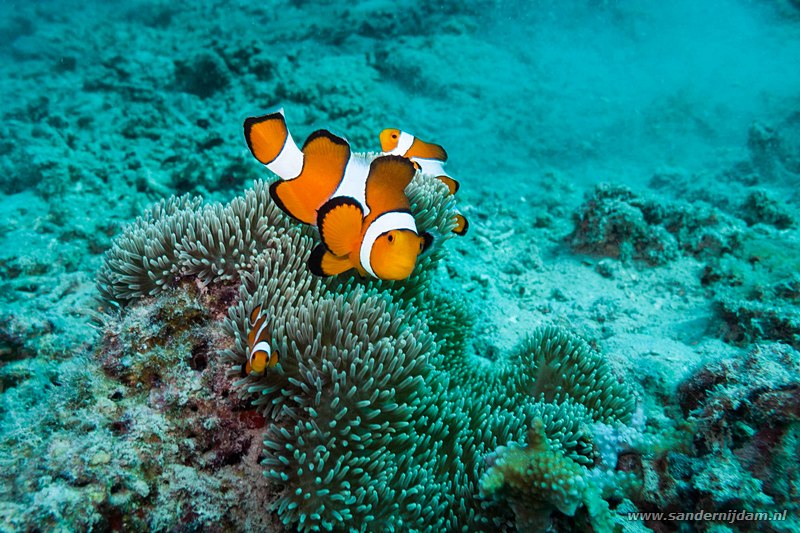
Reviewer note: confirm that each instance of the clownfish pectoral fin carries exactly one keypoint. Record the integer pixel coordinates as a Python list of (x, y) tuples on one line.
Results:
[(452, 185), (325, 157), (340, 221), (462, 225), (386, 184), (323, 263)]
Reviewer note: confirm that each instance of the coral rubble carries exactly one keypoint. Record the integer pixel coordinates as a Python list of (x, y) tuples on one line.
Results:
[(747, 429), (616, 222)]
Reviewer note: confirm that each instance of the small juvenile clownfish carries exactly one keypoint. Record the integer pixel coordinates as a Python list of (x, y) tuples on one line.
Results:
[(259, 352), (358, 204), (429, 158)]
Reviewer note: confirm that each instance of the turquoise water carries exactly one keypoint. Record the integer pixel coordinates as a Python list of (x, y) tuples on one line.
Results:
[(630, 173)]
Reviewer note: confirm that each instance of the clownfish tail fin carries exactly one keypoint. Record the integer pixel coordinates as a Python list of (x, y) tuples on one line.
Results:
[(426, 150), (462, 225), (266, 135), (323, 263), (452, 185)]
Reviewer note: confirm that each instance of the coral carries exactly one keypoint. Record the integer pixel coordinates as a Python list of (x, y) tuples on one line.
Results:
[(377, 416), (756, 289), (157, 442), (747, 414), (765, 318), (616, 222), (612, 222), (760, 208), (202, 75), (536, 479), (340, 82)]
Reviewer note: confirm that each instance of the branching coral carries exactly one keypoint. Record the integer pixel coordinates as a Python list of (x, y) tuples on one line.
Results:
[(379, 418)]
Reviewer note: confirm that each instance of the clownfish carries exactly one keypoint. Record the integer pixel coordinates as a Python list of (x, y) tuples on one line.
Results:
[(259, 352), (377, 237), (428, 157), (357, 202)]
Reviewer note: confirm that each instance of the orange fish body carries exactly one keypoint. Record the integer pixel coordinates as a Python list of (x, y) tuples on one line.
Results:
[(309, 177), (377, 237), (428, 157), (357, 202)]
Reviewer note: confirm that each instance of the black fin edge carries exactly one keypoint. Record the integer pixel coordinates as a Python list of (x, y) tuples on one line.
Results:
[(458, 185), (327, 134), (399, 158), (315, 261), (427, 241), (443, 151)]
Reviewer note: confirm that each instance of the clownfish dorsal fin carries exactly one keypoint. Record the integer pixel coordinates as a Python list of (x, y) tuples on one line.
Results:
[(340, 221), (325, 157), (266, 135), (386, 184), (324, 263)]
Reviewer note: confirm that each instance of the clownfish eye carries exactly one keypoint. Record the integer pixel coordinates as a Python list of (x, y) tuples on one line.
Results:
[(394, 136), (391, 238)]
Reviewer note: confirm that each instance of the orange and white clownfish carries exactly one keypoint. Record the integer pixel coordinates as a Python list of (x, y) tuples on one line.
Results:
[(428, 157), (357, 202), (259, 351), (377, 236), (309, 177)]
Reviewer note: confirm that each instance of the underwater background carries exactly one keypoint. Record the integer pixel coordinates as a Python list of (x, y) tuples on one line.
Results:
[(617, 333)]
